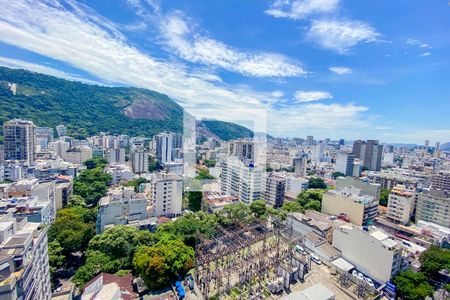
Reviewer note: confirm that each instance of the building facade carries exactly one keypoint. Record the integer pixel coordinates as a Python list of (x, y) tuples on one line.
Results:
[(19, 140), (359, 208), (166, 194), (401, 204)]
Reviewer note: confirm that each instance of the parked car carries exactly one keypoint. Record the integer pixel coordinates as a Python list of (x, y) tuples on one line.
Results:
[(300, 249), (369, 281), (315, 258)]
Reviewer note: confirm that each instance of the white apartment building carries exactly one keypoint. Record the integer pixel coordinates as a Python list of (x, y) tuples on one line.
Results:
[(119, 173), (401, 204), (121, 206), (116, 156), (295, 185), (366, 187), (24, 267), (243, 149), (78, 156), (434, 206), (168, 147), (359, 208), (61, 130), (344, 163), (240, 179), (59, 147), (166, 194), (139, 161), (372, 252)]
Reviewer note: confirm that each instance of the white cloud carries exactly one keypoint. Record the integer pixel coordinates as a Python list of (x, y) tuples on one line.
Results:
[(417, 43), (299, 9), (340, 70), (88, 42), (20, 64), (341, 35), (308, 96), (425, 54), (181, 37)]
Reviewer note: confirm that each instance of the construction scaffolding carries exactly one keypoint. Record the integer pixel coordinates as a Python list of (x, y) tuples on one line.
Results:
[(248, 261)]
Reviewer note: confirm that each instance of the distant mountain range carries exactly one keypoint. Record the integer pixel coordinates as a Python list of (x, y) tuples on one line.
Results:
[(89, 109)]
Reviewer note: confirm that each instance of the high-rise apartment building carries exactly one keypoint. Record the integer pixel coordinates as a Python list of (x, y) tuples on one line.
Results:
[(434, 206), (243, 149), (240, 179), (369, 152), (274, 190), (310, 140), (401, 204), (300, 164), (139, 161), (166, 194), (344, 163), (441, 181), (116, 156), (19, 140), (168, 147), (24, 265)]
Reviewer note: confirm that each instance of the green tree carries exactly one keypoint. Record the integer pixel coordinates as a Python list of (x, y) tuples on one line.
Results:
[(186, 227), (56, 257), (316, 183), (73, 229), (95, 162), (96, 263), (113, 251), (310, 195), (162, 262), (434, 260), (384, 196), (77, 200), (292, 206), (91, 184), (204, 175), (259, 208), (136, 183), (313, 205), (412, 285), (236, 213), (337, 174), (194, 200)]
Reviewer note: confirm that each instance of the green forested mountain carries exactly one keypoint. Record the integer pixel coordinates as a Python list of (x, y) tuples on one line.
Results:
[(89, 109)]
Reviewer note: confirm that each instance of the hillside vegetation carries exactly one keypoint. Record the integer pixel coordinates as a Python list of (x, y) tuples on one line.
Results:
[(89, 109)]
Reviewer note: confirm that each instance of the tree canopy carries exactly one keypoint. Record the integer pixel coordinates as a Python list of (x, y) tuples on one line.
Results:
[(258, 207), (434, 260), (316, 183), (164, 261), (412, 285), (384, 197)]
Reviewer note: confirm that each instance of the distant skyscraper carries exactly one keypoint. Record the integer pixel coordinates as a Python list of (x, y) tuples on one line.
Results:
[(310, 140), (61, 130), (300, 164), (345, 163), (369, 152), (19, 140), (168, 147), (342, 142), (427, 143)]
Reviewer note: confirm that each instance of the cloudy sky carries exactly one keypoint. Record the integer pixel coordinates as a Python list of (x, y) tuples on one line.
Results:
[(328, 68)]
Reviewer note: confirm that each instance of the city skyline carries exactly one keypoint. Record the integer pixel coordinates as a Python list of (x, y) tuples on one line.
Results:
[(339, 69)]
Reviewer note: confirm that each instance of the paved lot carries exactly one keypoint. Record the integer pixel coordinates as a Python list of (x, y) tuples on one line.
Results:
[(321, 274)]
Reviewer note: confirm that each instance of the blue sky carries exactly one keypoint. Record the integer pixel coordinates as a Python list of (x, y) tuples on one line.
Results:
[(340, 69)]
